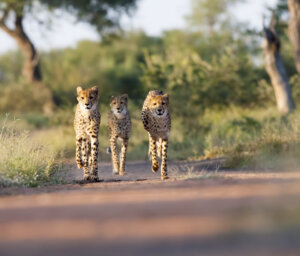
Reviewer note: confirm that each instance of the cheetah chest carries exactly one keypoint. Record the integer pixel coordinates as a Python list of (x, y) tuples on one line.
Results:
[(159, 127), (121, 127), (87, 124)]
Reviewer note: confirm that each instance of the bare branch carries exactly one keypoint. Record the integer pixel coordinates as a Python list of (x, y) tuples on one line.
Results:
[(263, 21), (4, 16), (273, 21), (4, 27), (270, 33)]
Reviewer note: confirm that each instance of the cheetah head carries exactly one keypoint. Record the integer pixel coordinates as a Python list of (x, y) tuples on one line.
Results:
[(87, 99), (119, 105), (159, 105)]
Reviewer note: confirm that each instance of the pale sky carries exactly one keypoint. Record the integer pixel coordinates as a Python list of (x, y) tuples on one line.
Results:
[(152, 16)]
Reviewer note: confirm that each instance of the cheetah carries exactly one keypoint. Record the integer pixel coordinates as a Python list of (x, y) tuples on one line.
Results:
[(157, 122), (86, 125), (119, 124)]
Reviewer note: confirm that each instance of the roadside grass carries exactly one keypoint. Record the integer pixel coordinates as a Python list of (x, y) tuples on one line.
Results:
[(257, 139), (33, 147), (186, 172), (24, 162)]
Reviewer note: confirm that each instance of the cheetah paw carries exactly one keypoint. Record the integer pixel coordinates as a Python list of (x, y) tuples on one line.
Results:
[(86, 177), (164, 177), (115, 172), (79, 165), (94, 178), (155, 167)]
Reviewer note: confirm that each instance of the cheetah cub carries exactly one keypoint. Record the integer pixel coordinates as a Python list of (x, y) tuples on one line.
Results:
[(86, 125), (119, 124), (157, 121)]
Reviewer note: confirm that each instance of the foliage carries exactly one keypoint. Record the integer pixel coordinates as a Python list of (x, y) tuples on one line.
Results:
[(11, 66), (221, 98), (114, 68), (210, 15), (228, 78), (256, 139), (103, 14), (22, 97)]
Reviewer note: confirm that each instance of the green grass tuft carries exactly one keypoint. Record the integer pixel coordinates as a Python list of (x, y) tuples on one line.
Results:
[(22, 161)]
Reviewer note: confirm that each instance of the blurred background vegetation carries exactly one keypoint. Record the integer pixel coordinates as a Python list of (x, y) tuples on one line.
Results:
[(222, 102)]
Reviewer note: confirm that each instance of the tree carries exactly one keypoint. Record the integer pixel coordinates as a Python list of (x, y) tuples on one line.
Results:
[(207, 14), (276, 70), (103, 14), (294, 30)]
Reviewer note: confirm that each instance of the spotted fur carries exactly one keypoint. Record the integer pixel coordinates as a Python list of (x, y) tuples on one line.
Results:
[(157, 122), (119, 124), (86, 125)]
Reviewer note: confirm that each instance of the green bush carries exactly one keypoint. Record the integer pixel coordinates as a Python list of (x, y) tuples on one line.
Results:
[(22, 97)]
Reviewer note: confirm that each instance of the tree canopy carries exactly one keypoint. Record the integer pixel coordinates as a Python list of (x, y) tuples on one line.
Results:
[(209, 13), (103, 14)]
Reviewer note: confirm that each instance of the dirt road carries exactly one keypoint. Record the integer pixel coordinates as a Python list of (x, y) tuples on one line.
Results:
[(201, 210)]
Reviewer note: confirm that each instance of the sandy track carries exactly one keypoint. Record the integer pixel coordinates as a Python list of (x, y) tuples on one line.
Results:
[(216, 213)]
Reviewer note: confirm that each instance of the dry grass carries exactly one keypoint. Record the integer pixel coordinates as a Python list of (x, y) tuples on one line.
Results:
[(247, 138), (267, 141), (23, 161)]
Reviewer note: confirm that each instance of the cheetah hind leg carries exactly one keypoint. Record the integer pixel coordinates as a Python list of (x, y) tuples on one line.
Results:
[(114, 156), (123, 156)]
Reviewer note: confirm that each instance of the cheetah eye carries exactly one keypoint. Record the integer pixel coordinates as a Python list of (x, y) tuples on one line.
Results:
[(163, 103), (154, 104), (121, 102), (82, 98), (115, 103)]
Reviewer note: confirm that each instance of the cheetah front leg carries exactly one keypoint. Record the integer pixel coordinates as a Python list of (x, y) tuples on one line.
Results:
[(114, 154), (155, 164), (85, 159), (123, 156), (94, 157), (164, 174), (90, 154), (159, 147), (78, 152), (149, 149)]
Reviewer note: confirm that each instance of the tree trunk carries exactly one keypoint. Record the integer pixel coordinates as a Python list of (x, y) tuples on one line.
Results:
[(31, 68), (294, 30), (276, 70)]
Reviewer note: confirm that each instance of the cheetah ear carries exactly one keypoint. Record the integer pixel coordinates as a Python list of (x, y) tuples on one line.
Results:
[(166, 97), (125, 97), (95, 89), (79, 89)]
